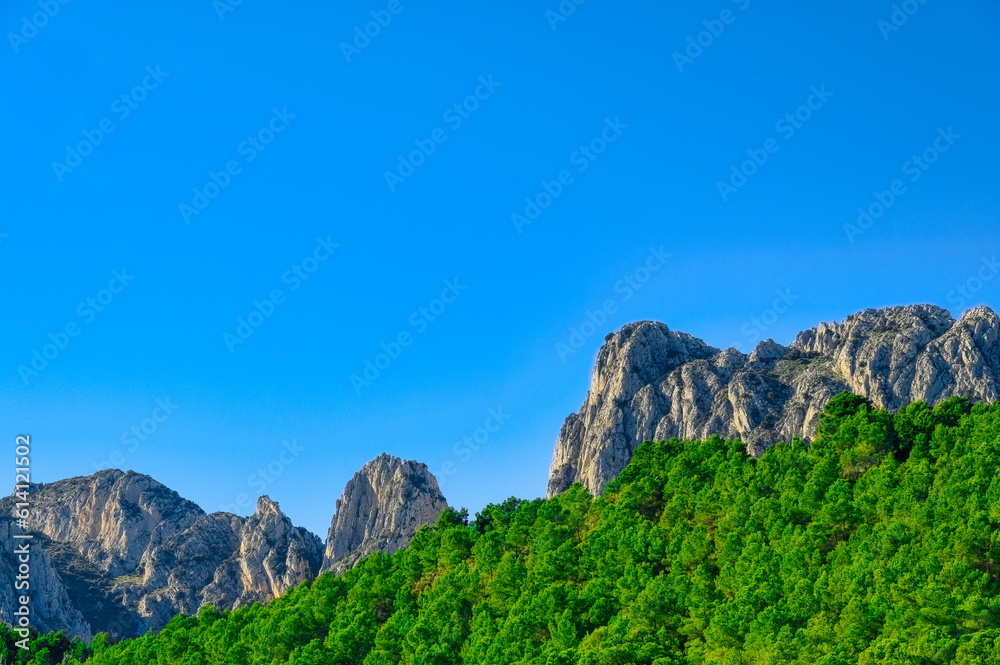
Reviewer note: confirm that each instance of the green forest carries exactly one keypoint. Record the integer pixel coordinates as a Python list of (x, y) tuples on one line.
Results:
[(879, 542)]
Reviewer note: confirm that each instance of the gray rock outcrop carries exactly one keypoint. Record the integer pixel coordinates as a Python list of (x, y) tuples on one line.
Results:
[(650, 382), (121, 553), (223, 560), (382, 507)]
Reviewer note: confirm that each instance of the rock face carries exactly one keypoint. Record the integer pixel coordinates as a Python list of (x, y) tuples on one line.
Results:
[(650, 382), (50, 601), (121, 553), (225, 560), (383, 505)]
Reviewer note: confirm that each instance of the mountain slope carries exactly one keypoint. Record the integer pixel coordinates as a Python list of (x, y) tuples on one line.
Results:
[(650, 382), (879, 543)]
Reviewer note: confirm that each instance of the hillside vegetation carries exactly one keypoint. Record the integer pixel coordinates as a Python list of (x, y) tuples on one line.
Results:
[(877, 543)]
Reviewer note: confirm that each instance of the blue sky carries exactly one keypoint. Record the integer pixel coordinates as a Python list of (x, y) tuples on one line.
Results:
[(621, 143)]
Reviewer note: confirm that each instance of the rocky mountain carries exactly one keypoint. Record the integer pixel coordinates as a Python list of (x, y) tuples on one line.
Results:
[(650, 382), (383, 505), (121, 553)]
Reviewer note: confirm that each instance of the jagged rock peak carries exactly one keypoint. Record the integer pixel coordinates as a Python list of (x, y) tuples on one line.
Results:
[(768, 352), (640, 353), (649, 382), (265, 506), (382, 507)]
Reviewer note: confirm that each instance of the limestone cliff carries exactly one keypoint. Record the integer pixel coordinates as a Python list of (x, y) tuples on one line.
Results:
[(381, 508)]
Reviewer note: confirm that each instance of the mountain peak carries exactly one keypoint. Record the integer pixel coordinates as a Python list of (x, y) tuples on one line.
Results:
[(381, 508), (650, 382), (266, 505)]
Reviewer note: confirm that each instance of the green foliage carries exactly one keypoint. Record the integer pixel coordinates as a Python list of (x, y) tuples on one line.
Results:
[(49, 649), (876, 544)]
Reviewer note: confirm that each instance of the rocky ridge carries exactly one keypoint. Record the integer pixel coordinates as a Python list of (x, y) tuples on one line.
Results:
[(650, 382)]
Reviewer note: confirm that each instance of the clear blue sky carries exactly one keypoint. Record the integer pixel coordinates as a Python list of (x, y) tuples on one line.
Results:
[(606, 72)]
